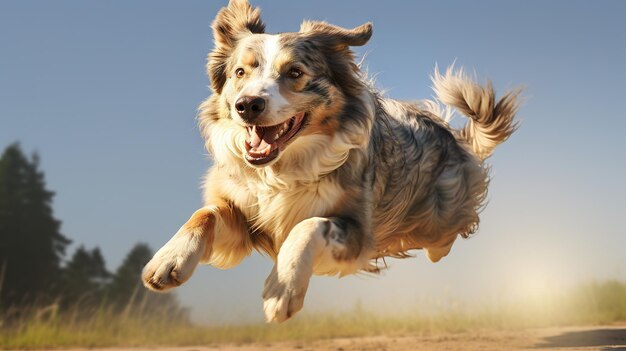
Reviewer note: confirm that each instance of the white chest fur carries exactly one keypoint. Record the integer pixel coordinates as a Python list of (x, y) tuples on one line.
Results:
[(276, 210)]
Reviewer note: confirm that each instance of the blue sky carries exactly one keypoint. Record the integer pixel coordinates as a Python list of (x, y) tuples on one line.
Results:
[(107, 93)]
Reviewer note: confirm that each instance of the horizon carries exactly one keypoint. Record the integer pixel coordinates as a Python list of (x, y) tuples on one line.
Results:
[(107, 94)]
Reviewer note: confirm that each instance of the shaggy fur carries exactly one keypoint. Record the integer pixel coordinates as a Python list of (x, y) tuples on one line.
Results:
[(349, 176)]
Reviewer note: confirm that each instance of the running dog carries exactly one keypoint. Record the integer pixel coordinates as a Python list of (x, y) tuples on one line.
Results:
[(315, 168)]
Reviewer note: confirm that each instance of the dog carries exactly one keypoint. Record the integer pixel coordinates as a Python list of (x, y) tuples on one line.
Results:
[(316, 169)]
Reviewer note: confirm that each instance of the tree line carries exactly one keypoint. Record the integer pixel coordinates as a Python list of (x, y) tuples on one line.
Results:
[(34, 269)]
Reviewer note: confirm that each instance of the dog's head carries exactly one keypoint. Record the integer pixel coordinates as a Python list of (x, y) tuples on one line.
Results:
[(278, 88)]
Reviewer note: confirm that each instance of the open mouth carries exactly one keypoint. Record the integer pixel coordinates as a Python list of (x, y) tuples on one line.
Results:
[(265, 143)]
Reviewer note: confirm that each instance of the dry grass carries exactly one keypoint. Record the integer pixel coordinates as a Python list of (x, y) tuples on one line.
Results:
[(590, 304)]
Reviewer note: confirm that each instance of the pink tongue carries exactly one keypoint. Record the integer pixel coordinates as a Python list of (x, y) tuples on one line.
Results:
[(263, 145), (255, 138), (259, 145), (262, 137)]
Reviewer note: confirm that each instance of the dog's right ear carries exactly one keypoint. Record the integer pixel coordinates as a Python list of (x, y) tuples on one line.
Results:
[(232, 23)]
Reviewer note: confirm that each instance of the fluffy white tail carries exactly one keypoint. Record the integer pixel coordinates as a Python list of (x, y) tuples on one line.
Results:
[(491, 122)]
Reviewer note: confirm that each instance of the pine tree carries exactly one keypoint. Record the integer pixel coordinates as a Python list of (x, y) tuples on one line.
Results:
[(85, 278), (127, 280), (31, 246), (127, 291)]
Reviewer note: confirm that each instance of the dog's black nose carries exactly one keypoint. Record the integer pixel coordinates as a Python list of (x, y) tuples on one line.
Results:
[(250, 107)]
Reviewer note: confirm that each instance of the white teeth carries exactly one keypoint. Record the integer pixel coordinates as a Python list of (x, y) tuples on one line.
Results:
[(282, 130)]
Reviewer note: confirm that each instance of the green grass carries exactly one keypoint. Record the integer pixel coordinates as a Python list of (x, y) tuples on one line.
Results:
[(589, 304)]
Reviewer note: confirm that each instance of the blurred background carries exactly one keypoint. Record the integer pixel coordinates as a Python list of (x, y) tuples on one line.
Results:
[(106, 94)]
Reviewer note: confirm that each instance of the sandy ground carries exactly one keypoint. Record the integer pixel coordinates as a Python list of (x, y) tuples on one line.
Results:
[(593, 338)]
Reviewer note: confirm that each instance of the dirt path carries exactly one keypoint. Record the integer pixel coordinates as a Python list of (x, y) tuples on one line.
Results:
[(595, 338)]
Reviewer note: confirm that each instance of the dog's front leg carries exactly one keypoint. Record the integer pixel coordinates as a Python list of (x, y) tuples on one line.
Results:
[(215, 234), (320, 245)]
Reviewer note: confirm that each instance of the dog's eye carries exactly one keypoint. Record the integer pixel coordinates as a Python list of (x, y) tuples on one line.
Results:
[(240, 72), (294, 73)]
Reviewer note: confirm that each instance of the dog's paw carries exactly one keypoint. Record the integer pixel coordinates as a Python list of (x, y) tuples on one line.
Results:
[(282, 298), (174, 263)]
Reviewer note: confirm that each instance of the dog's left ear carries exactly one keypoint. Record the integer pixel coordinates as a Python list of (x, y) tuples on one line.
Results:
[(335, 37), (232, 23)]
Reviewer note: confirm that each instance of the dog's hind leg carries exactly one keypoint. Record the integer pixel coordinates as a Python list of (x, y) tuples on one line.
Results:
[(316, 245), (215, 234)]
